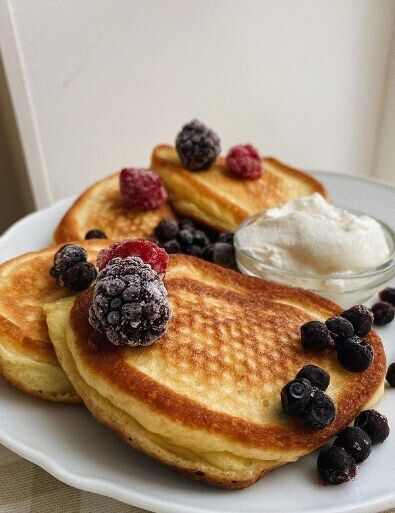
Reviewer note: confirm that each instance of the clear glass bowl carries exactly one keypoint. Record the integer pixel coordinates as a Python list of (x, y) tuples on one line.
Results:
[(344, 289)]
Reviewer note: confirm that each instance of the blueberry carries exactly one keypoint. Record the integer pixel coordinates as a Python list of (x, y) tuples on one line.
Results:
[(66, 256), (391, 375), (194, 250), (321, 410), (226, 237), (78, 277), (200, 238), (315, 336), (224, 254), (336, 466), (95, 234), (388, 295), (374, 424), (339, 327), (355, 354), (361, 317), (186, 224), (166, 230), (356, 442), (208, 252), (172, 246), (295, 396), (383, 313), (318, 377), (185, 238)]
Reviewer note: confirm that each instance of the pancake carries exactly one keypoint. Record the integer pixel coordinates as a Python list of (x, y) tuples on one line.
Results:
[(205, 398), (216, 198), (100, 208), (27, 357)]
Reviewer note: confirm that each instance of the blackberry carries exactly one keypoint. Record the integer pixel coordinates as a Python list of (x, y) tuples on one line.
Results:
[(356, 442), (226, 237), (194, 250), (200, 238), (388, 295), (296, 396), (391, 375), (383, 313), (172, 246), (185, 238), (336, 466), (320, 412), (78, 277), (130, 303), (65, 257), (224, 254), (374, 424), (197, 146), (339, 327), (361, 317), (315, 336), (318, 377), (166, 230), (95, 234), (208, 252), (355, 354)]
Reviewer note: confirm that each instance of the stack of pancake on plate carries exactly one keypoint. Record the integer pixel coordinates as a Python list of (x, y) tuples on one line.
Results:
[(205, 398)]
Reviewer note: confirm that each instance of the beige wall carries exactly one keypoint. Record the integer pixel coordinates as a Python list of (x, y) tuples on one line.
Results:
[(15, 196)]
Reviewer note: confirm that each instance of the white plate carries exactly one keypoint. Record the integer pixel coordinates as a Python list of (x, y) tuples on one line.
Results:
[(68, 443)]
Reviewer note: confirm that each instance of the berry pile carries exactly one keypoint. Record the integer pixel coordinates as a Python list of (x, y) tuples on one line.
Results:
[(338, 463), (71, 268), (305, 397), (141, 188), (343, 333), (186, 237)]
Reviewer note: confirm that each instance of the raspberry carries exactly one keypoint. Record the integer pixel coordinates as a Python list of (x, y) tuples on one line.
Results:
[(141, 188), (130, 303), (244, 162), (197, 146), (146, 249)]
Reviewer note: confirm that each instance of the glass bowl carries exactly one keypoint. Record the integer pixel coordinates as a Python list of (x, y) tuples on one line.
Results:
[(345, 289)]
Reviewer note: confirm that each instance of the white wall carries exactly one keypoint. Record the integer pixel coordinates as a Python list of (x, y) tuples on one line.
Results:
[(97, 83)]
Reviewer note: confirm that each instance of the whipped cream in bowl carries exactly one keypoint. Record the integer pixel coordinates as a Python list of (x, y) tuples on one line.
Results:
[(309, 243)]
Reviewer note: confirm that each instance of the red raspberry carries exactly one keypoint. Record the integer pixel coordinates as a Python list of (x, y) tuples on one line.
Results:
[(141, 188), (146, 249), (244, 162)]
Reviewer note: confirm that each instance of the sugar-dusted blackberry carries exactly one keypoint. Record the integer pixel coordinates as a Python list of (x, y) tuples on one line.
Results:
[(383, 313), (320, 412), (296, 396), (374, 424), (318, 377), (197, 146), (200, 238), (185, 238), (335, 466), (391, 375), (226, 237), (194, 250), (224, 254), (361, 317), (208, 252), (315, 336), (355, 354), (339, 327), (186, 224), (78, 277), (356, 442), (166, 230), (130, 303), (172, 246), (65, 257), (388, 295), (95, 234)]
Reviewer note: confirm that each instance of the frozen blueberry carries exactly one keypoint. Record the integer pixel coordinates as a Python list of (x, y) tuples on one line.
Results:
[(361, 317), (194, 250), (200, 238), (321, 410), (355, 354), (186, 224), (166, 230), (295, 396), (391, 375), (172, 246), (388, 295), (224, 254), (185, 238), (383, 313), (339, 327), (208, 252), (374, 424), (315, 336), (95, 234), (226, 237), (318, 377), (78, 277), (356, 442), (336, 466)]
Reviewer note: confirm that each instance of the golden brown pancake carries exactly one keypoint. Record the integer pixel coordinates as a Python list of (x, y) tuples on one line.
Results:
[(205, 398), (27, 358), (218, 199), (100, 208)]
